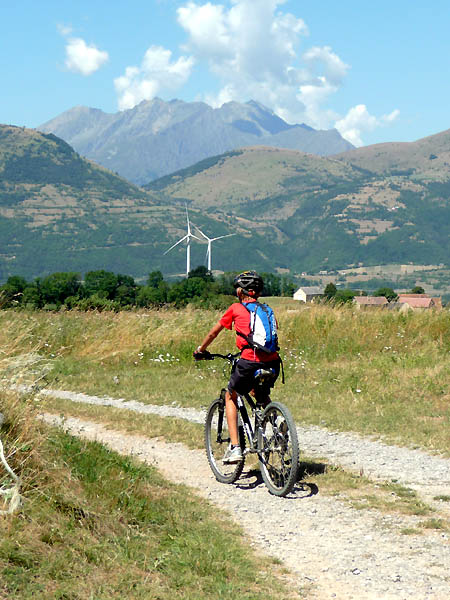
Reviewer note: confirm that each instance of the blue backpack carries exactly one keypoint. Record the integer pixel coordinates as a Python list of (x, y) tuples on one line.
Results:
[(263, 328)]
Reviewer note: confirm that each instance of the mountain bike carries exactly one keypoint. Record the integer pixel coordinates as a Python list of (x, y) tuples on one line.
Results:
[(272, 435)]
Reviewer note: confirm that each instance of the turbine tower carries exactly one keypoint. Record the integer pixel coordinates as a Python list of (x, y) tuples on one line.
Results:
[(210, 241), (187, 237)]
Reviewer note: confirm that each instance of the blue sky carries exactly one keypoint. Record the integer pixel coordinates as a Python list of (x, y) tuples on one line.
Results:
[(377, 71)]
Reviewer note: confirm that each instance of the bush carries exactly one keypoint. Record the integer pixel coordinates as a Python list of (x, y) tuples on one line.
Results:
[(57, 287), (387, 292), (95, 302), (343, 296), (213, 302)]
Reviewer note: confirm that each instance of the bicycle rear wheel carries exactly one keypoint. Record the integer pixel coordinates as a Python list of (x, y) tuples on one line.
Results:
[(278, 449), (217, 440)]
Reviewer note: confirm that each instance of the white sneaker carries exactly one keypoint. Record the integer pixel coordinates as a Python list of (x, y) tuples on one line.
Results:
[(232, 455)]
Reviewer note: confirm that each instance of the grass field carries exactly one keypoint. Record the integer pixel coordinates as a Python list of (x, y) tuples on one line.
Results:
[(380, 373), (97, 525)]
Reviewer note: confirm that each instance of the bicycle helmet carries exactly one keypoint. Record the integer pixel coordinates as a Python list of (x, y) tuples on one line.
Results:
[(249, 280)]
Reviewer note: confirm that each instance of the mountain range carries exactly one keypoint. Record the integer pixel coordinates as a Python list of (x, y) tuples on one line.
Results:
[(291, 212), (156, 138)]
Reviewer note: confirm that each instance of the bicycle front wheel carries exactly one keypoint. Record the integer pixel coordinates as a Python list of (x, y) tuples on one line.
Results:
[(217, 440), (278, 449)]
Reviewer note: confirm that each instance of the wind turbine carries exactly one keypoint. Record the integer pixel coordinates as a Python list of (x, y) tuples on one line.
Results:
[(187, 237), (210, 241)]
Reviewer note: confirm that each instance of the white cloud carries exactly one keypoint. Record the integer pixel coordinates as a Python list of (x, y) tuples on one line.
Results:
[(254, 50), (207, 27), (64, 30), (391, 116), (252, 47), (248, 40), (358, 120), (82, 58), (333, 68), (157, 73), (314, 96)]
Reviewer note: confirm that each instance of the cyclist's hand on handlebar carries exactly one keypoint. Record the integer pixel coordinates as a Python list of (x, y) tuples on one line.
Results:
[(205, 355)]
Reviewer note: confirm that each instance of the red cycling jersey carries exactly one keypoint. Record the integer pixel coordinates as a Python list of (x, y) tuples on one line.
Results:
[(239, 315)]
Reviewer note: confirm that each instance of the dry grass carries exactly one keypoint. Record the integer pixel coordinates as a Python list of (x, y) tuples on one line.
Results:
[(379, 373)]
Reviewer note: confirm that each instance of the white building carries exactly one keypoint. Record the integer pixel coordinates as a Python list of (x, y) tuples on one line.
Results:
[(307, 294)]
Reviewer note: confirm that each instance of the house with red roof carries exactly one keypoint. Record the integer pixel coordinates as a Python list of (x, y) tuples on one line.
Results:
[(369, 302), (419, 301)]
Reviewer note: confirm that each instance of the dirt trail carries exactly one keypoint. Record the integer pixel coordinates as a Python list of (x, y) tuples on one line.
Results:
[(428, 475), (333, 551)]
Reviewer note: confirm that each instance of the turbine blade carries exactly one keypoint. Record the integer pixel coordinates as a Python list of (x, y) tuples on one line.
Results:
[(176, 244), (222, 236), (200, 231), (187, 219)]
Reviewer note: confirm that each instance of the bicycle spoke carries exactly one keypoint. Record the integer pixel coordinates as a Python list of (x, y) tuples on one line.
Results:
[(279, 452), (217, 440)]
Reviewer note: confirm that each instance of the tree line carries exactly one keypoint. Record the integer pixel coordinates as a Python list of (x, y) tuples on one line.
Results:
[(105, 290)]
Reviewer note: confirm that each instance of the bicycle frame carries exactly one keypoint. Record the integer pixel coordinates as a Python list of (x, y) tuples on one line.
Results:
[(257, 409), (271, 434), (249, 431)]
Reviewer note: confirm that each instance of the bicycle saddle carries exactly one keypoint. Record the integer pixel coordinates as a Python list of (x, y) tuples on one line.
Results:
[(264, 374)]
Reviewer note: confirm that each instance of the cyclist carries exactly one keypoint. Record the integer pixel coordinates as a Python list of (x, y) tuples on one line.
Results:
[(248, 286)]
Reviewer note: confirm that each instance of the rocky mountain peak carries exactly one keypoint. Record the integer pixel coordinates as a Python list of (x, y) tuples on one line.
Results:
[(156, 137)]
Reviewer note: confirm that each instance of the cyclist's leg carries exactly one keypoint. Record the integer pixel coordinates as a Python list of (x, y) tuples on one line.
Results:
[(232, 416), (241, 381)]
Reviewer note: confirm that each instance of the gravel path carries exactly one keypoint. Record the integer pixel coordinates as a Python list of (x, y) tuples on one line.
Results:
[(333, 551), (428, 475), (336, 551)]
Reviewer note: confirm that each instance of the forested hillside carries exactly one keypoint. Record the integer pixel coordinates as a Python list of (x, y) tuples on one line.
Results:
[(328, 213), (290, 212)]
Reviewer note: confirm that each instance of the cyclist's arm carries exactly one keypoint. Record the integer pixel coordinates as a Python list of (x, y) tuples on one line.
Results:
[(210, 337)]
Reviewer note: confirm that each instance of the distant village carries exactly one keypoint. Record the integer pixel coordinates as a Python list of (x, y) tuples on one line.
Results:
[(402, 301)]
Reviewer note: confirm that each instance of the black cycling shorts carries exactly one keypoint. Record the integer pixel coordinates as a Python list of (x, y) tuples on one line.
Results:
[(242, 378)]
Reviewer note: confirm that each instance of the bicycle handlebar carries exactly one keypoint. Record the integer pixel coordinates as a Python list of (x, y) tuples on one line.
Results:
[(208, 356)]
